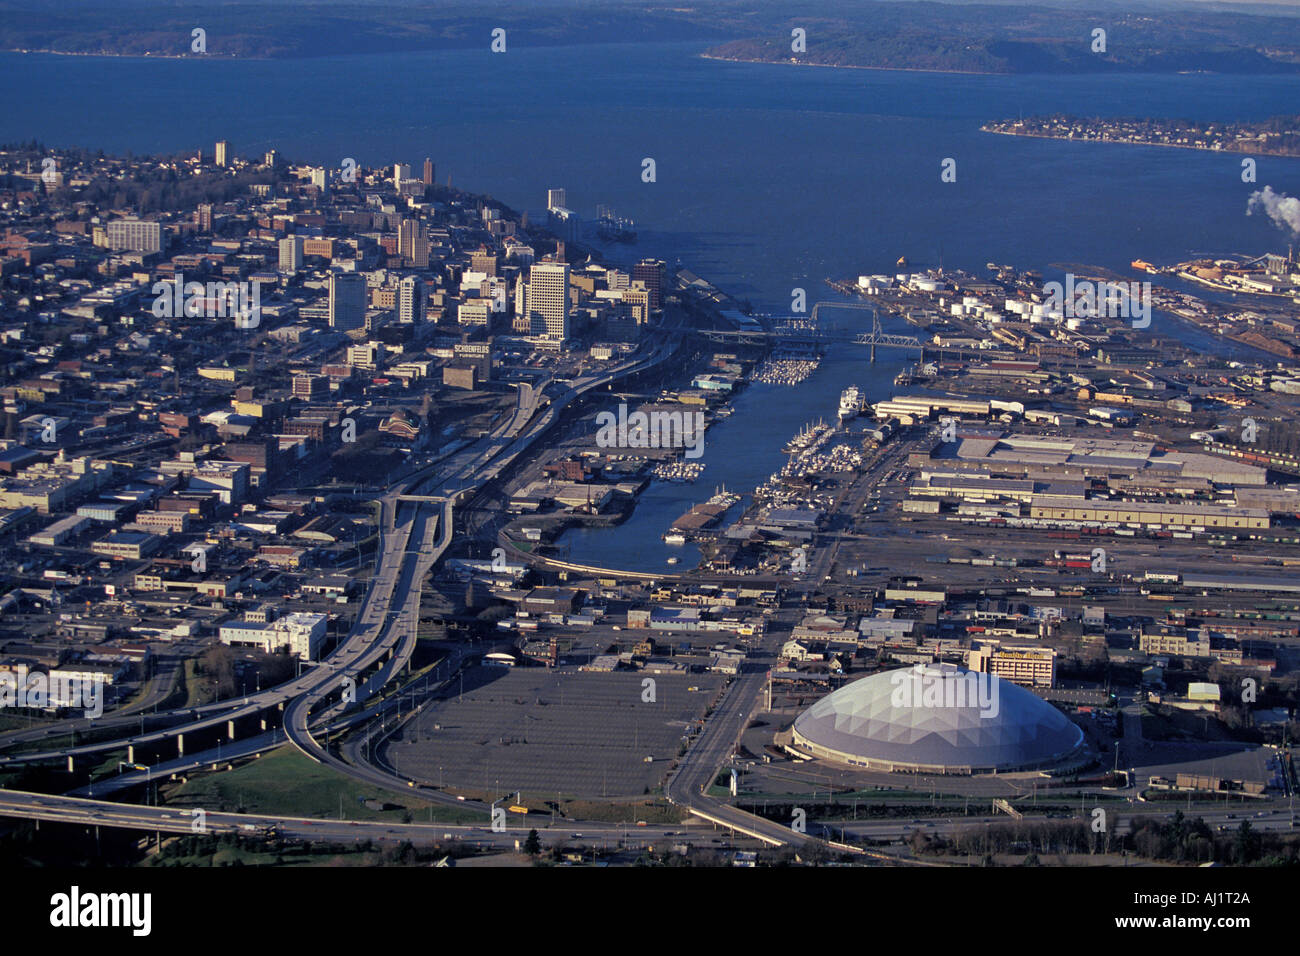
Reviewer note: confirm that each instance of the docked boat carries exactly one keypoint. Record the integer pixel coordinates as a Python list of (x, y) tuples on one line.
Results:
[(808, 435), (614, 228), (724, 497), (850, 403), (675, 539)]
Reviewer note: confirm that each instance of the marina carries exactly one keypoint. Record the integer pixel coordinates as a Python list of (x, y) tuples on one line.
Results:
[(783, 368), (678, 470)]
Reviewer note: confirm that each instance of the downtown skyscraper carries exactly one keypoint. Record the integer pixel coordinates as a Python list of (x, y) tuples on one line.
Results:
[(548, 299)]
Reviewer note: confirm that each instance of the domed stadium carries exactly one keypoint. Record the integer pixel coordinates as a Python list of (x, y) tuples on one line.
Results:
[(936, 718)]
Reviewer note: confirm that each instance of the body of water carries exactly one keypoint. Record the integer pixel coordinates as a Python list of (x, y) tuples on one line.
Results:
[(768, 177)]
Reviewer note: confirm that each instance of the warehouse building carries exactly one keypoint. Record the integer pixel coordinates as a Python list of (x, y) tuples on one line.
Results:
[(1241, 582), (59, 533), (1183, 514), (1022, 455)]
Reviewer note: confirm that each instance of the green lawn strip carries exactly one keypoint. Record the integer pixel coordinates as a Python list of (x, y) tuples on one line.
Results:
[(284, 782), (651, 811)]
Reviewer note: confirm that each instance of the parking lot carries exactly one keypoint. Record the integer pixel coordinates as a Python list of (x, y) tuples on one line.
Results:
[(553, 732)]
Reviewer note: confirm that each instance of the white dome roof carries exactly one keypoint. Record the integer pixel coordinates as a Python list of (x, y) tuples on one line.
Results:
[(937, 716)]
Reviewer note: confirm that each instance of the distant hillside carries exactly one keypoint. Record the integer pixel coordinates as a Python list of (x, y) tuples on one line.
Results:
[(907, 34), (999, 39), (289, 30)]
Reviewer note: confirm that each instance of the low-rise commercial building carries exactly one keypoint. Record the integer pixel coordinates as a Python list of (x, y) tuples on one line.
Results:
[(1027, 666)]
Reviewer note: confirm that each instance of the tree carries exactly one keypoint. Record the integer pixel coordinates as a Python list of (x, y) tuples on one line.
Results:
[(533, 845), (1247, 843)]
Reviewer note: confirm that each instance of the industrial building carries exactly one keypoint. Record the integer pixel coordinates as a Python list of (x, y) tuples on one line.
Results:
[(1181, 514), (300, 633), (1076, 457)]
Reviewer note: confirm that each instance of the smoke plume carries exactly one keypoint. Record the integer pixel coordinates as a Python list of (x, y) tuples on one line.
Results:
[(1282, 209)]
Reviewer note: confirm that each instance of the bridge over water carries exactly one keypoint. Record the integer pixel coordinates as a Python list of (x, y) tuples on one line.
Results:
[(783, 333)]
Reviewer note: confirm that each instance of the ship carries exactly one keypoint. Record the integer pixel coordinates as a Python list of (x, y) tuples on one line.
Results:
[(614, 228), (674, 539), (807, 436), (850, 403), (724, 497)]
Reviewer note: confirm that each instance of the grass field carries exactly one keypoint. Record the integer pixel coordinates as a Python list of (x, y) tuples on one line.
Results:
[(285, 782), (651, 811)]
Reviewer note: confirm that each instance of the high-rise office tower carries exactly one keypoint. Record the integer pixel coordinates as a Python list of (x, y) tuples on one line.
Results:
[(205, 217), (548, 299), (555, 199), (653, 272), (413, 243), (347, 301), (401, 171), (291, 254), (410, 300), (223, 153), (428, 171), (522, 321)]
